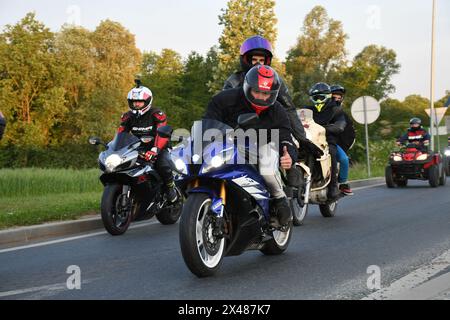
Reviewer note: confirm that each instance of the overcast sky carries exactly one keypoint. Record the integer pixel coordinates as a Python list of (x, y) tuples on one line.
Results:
[(402, 25)]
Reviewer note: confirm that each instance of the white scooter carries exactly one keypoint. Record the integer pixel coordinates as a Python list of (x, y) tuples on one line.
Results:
[(316, 173)]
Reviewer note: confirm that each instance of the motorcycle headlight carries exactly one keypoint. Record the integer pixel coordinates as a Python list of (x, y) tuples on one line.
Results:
[(181, 166), (422, 157), (112, 162), (397, 158), (218, 161), (447, 153)]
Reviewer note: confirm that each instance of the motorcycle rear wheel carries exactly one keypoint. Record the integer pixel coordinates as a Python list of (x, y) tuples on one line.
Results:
[(171, 213)]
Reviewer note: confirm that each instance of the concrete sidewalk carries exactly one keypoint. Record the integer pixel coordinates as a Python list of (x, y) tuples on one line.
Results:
[(24, 235), (429, 282)]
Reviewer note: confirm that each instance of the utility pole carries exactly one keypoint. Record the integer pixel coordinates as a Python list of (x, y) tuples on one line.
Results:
[(432, 83)]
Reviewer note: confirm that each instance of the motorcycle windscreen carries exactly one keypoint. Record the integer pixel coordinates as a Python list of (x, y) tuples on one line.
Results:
[(122, 140), (207, 131), (212, 137)]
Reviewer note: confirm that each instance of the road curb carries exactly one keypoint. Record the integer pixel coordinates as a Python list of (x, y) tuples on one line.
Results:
[(366, 182), (49, 230), (23, 235)]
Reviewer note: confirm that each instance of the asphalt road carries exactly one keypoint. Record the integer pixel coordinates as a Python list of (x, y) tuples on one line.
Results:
[(396, 229)]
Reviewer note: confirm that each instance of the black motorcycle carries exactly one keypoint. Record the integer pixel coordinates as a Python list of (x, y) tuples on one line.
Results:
[(133, 189)]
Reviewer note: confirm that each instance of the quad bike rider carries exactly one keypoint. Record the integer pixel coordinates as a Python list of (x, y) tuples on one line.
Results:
[(415, 160)]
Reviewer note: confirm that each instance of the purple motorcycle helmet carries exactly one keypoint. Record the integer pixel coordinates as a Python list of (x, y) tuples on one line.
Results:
[(255, 45)]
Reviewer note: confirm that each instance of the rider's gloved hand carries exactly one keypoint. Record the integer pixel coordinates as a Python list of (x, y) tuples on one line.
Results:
[(312, 149), (151, 155), (315, 151)]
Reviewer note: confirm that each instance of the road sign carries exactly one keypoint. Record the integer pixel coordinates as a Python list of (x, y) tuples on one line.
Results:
[(438, 114), (366, 110)]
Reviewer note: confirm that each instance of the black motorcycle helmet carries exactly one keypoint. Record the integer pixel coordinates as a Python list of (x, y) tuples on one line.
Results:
[(339, 91), (336, 88), (415, 123), (264, 80), (320, 93)]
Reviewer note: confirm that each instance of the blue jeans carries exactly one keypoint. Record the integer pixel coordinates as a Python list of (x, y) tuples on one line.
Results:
[(342, 158)]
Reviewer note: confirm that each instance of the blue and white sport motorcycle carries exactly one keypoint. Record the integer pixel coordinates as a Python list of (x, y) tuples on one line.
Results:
[(227, 210)]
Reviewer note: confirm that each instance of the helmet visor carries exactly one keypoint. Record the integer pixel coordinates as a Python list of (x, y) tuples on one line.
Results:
[(137, 104), (263, 98), (320, 98)]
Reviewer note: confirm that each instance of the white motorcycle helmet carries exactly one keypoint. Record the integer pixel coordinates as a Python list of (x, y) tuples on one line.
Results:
[(140, 94)]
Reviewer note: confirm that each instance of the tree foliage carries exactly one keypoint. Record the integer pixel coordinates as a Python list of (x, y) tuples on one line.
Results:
[(318, 53), (58, 88), (241, 20)]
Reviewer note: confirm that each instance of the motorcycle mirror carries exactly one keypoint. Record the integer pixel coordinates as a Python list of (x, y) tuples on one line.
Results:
[(247, 119), (165, 131), (95, 141)]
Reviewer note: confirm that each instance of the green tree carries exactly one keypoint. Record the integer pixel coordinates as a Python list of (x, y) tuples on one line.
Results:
[(162, 73), (117, 60), (194, 85), (370, 73), (77, 64), (318, 53), (31, 94), (241, 20)]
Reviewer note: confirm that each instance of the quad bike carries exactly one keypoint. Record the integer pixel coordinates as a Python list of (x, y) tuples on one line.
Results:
[(415, 162)]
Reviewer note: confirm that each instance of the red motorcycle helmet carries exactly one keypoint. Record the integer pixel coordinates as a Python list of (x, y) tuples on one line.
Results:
[(261, 87)]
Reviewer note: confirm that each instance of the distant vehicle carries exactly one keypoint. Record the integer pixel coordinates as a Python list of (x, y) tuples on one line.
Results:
[(414, 162), (447, 160)]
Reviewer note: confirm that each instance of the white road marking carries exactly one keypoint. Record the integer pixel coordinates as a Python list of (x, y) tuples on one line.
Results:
[(372, 186), (52, 287), (89, 235), (404, 286)]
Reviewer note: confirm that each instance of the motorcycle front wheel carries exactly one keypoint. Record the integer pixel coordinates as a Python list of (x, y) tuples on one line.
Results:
[(299, 206), (115, 210), (328, 210), (202, 251)]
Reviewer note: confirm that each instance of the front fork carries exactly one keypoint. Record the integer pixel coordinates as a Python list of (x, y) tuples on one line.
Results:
[(306, 169), (220, 228), (126, 190)]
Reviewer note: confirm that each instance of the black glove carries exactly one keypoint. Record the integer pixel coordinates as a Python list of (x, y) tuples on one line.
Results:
[(311, 148)]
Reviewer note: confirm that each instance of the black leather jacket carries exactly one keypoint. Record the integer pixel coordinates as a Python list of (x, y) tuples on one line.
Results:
[(332, 118), (145, 125), (284, 98), (227, 105)]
